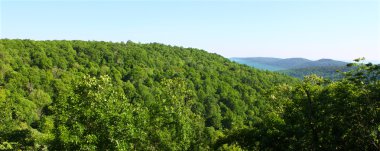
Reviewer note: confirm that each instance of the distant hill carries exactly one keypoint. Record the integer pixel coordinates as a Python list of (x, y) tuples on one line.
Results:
[(297, 67), (330, 72), (276, 64), (259, 63)]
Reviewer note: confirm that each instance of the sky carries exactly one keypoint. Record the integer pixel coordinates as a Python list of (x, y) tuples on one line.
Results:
[(313, 29)]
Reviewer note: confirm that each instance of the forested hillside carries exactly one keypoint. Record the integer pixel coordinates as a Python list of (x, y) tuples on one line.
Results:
[(85, 95), (92, 95), (321, 114)]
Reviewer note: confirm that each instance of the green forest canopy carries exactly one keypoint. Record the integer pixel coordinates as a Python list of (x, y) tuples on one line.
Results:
[(92, 95)]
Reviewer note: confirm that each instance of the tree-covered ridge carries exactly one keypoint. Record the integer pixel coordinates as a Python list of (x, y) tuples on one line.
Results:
[(298, 67), (328, 72), (89, 95), (275, 64)]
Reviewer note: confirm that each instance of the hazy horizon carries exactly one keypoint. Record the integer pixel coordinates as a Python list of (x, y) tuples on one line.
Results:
[(366, 60), (311, 29)]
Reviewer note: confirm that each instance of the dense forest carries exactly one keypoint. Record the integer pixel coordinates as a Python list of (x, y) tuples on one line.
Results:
[(92, 95)]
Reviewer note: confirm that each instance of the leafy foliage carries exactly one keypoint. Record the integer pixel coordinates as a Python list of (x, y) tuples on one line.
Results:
[(322, 115), (88, 95)]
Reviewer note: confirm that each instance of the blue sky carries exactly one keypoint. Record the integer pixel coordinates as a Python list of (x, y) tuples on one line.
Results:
[(338, 29)]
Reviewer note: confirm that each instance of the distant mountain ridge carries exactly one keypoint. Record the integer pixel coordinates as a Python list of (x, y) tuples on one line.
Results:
[(297, 67), (276, 64)]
